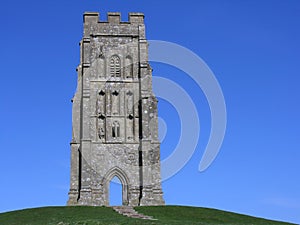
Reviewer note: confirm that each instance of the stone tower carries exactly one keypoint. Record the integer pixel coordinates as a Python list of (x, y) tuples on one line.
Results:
[(115, 124)]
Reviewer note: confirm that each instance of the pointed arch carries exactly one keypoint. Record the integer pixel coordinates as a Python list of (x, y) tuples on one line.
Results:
[(121, 175)]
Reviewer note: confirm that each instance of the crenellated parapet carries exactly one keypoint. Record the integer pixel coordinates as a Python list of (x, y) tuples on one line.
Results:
[(113, 26), (113, 18)]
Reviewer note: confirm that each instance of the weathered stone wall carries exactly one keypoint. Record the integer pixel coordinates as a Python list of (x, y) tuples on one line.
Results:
[(115, 126)]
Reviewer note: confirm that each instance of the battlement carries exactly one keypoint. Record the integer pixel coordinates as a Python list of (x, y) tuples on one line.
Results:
[(113, 18)]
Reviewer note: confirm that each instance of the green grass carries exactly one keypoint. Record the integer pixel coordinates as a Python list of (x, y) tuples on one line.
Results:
[(166, 215)]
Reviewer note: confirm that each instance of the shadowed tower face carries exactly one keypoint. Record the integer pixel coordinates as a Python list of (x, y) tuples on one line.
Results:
[(115, 123)]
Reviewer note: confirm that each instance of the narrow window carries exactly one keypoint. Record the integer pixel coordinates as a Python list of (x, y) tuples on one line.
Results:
[(115, 66), (115, 129)]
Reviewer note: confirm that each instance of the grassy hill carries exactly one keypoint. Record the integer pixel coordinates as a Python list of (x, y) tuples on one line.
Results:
[(166, 215)]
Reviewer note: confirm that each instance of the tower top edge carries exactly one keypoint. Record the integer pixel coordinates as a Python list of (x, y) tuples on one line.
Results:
[(114, 18)]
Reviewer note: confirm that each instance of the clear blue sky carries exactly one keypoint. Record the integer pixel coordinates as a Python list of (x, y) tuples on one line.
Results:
[(253, 48)]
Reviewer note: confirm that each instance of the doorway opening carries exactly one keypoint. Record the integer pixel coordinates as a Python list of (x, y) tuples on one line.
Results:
[(115, 192)]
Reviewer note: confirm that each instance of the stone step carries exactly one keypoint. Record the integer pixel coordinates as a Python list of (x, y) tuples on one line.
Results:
[(130, 212)]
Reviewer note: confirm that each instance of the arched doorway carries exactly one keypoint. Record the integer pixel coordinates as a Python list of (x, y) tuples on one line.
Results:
[(115, 192), (124, 181)]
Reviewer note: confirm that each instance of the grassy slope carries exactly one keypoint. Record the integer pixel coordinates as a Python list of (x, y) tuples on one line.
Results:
[(166, 215)]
